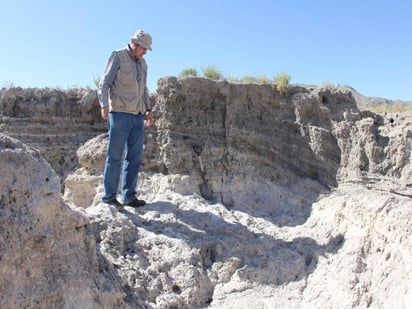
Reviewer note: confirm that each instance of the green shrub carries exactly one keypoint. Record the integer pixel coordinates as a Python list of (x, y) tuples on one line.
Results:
[(212, 72), (282, 81), (190, 72), (327, 85), (263, 79), (248, 79)]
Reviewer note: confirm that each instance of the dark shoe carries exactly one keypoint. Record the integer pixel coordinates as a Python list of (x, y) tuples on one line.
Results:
[(114, 203), (136, 203)]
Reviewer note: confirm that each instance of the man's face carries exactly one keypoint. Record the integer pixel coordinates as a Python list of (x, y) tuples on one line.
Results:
[(140, 51)]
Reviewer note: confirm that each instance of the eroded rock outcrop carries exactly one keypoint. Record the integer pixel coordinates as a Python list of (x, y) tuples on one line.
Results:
[(311, 206), (47, 251), (55, 122)]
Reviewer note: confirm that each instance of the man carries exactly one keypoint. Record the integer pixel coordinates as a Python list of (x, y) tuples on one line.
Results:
[(125, 104)]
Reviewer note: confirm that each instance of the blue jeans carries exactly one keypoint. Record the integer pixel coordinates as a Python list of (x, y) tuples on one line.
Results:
[(126, 133)]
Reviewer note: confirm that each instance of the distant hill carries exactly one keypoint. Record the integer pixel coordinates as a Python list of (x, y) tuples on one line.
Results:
[(376, 103)]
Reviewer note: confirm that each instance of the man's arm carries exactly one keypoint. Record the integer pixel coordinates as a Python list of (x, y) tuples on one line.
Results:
[(113, 65)]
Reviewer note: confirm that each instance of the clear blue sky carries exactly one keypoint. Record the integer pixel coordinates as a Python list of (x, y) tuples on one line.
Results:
[(361, 43)]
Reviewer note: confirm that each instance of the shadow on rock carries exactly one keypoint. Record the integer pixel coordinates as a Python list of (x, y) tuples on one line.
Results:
[(218, 238)]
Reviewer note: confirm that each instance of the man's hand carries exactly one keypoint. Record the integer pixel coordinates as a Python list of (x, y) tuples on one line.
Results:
[(105, 112), (148, 119)]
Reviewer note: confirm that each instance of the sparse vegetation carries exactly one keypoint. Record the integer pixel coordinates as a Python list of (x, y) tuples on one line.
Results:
[(212, 72), (263, 79), (327, 85), (8, 85), (249, 79), (282, 81), (231, 79), (190, 72), (96, 81)]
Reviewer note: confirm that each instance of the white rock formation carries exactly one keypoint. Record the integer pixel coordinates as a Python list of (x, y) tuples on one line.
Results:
[(47, 251), (312, 208)]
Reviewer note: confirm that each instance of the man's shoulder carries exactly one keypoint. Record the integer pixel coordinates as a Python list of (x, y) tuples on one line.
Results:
[(121, 50)]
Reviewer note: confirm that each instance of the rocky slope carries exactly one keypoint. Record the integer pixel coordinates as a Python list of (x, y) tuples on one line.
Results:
[(55, 122), (311, 205)]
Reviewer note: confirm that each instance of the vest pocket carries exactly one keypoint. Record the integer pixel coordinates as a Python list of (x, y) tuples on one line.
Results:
[(126, 76)]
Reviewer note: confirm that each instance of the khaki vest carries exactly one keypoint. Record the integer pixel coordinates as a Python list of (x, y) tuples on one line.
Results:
[(127, 93)]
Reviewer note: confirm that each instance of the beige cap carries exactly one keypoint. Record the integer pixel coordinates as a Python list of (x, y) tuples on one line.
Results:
[(143, 39)]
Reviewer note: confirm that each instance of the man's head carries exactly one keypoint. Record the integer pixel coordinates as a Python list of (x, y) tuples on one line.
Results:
[(142, 39)]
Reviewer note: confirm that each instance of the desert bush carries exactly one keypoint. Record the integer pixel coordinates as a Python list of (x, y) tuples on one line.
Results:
[(189, 72), (249, 79), (263, 79), (282, 81), (212, 72), (327, 85)]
